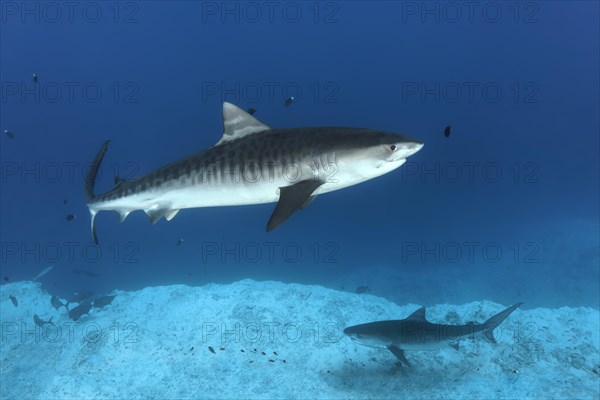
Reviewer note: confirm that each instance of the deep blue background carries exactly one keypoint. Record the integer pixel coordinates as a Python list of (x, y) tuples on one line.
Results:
[(157, 67)]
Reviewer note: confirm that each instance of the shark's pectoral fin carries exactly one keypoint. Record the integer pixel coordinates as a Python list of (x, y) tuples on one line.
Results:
[(399, 353), (454, 345), (307, 202), (292, 198)]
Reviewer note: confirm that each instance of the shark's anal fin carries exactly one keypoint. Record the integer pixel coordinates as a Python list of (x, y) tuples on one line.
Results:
[(399, 353), (157, 212), (292, 198)]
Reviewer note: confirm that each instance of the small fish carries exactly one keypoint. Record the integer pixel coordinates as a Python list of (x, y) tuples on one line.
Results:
[(6, 279), (289, 101), (275, 353), (40, 322), (222, 348), (34, 78), (211, 349), (79, 297), (65, 201), (103, 301), (84, 272), (447, 131), (44, 272), (9, 134), (14, 301), (179, 242), (362, 289), (71, 217), (80, 310), (271, 360), (251, 111), (56, 303)]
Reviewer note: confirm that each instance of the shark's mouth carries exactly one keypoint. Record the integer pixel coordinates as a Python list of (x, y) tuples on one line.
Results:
[(399, 161)]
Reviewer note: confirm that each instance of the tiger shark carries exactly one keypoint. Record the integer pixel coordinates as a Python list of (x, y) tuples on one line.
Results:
[(253, 163), (416, 333)]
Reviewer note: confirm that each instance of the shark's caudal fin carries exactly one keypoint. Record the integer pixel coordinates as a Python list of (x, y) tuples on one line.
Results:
[(90, 182), (496, 320)]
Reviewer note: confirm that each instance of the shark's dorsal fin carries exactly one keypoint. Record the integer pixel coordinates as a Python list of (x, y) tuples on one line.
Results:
[(418, 315), (238, 123)]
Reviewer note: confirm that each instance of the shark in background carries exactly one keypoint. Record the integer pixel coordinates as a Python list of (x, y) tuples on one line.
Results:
[(253, 164), (416, 333)]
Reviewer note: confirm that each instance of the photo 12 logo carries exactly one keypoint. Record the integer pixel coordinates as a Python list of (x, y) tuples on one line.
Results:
[(471, 172), (469, 12), (271, 92), (469, 92), (69, 12), (69, 92), (270, 332), (269, 252), (270, 12), (470, 252)]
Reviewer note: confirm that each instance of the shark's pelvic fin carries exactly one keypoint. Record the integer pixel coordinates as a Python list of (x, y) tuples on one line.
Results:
[(169, 215), (237, 123), (399, 353), (292, 198), (123, 215)]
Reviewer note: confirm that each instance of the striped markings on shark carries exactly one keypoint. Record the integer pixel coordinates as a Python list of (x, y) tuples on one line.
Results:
[(416, 333), (253, 163)]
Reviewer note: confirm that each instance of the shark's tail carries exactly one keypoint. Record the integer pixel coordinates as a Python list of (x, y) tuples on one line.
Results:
[(496, 320), (90, 182)]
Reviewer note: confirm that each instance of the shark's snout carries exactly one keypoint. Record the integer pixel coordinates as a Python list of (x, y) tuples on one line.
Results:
[(352, 334), (405, 149), (410, 148)]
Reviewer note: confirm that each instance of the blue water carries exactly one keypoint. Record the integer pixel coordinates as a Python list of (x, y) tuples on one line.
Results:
[(505, 208)]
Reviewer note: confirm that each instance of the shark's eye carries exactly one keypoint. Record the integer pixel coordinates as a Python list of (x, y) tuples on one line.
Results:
[(393, 147)]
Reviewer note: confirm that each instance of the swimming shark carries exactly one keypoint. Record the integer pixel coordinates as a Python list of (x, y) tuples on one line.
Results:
[(416, 333), (253, 163)]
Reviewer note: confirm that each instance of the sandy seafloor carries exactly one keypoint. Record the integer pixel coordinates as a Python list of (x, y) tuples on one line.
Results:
[(282, 341)]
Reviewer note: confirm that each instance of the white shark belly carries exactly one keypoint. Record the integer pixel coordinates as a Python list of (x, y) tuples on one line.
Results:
[(177, 195)]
